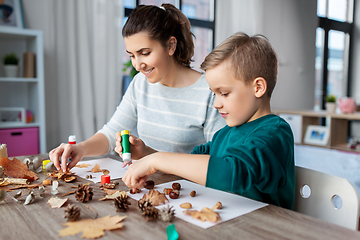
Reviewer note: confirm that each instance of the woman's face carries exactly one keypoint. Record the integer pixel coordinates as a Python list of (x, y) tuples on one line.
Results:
[(148, 56)]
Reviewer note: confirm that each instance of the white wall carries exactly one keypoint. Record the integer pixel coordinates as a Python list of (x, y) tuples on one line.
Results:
[(290, 26), (355, 73)]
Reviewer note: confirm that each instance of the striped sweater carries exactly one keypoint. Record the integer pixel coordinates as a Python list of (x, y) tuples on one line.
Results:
[(165, 118)]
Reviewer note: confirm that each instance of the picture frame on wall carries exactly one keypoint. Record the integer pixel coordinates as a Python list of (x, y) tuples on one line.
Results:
[(317, 135), (11, 14)]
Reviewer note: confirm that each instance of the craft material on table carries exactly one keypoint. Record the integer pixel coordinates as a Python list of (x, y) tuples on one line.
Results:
[(233, 205), (114, 166)]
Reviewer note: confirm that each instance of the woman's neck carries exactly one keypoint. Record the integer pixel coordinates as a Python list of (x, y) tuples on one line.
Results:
[(180, 76)]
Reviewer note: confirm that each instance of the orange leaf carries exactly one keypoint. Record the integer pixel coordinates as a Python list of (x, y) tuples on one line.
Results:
[(96, 169), (17, 169), (92, 228), (205, 214), (84, 165)]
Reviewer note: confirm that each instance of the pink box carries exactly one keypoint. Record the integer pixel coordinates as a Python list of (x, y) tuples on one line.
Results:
[(20, 141)]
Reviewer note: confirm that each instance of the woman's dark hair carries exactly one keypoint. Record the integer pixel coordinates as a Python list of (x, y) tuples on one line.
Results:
[(161, 23)]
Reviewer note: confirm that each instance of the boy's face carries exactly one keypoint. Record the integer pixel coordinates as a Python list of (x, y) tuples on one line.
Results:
[(148, 56), (235, 100)]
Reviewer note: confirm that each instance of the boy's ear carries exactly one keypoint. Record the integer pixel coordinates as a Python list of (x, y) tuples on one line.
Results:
[(172, 42), (260, 87)]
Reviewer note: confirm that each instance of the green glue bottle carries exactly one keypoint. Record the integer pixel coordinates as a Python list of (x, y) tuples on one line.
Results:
[(126, 153)]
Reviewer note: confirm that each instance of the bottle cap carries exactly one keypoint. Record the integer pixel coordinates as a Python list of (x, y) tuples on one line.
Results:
[(105, 179), (72, 139), (126, 157), (124, 132)]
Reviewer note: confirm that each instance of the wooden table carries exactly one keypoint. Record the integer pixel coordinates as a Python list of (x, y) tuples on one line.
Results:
[(39, 221)]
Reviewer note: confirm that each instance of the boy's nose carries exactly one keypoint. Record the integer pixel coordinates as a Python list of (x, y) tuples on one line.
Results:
[(217, 103)]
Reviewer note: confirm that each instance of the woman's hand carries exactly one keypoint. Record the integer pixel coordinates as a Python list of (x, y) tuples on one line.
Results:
[(137, 147), (139, 171), (65, 151)]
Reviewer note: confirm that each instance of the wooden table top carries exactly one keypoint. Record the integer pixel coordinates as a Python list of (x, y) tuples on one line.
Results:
[(39, 221)]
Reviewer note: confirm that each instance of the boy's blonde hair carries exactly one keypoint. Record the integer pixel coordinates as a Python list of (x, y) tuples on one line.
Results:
[(249, 58)]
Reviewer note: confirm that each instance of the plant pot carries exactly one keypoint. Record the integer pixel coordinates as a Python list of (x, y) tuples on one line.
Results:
[(11, 71), (330, 107)]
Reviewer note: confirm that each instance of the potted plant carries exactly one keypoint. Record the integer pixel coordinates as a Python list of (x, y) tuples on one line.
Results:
[(129, 73), (331, 103), (11, 67)]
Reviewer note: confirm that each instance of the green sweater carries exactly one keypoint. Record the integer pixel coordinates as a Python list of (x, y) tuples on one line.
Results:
[(255, 160)]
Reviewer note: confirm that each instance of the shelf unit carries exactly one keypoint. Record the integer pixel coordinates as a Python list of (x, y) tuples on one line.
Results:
[(22, 92), (338, 126)]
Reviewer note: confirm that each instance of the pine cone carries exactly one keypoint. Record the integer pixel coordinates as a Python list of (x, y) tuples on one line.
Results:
[(143, 203), (72, 213), (84, 193), (167, 213), (122, 203), (150, 213)]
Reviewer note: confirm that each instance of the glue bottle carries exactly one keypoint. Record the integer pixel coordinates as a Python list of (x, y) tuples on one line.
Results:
[(71, 140), (126, 153)]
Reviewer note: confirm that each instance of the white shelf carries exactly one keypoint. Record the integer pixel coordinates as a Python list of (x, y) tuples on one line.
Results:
[(4, 125), (28, 93), (6, 79)]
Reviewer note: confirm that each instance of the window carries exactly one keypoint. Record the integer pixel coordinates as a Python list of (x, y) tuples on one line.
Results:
[(333, 38), (201, 14)]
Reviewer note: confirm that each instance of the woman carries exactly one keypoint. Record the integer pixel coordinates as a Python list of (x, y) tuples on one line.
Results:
[(168, 103)]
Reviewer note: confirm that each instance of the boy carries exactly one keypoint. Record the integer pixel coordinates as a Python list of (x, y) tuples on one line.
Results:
[(254, 154)]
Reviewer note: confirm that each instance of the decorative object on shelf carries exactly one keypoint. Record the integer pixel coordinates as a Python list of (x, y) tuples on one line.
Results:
[(29, 116), (12, 15), (347, 105), (29, 65), (331, 103), (354, 143), (11, 67), (317, 135)]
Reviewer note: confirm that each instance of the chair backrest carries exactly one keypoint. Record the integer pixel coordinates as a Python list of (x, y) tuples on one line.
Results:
[(330, 198)]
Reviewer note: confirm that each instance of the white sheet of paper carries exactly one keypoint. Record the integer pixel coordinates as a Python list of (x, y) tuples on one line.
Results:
[(233, 205), (114, 166)]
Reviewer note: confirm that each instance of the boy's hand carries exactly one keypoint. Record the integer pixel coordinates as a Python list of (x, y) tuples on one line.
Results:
[(65, 151), (137, 147), (139, 171)]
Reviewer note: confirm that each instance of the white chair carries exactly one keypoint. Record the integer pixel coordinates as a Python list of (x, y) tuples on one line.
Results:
[(330, 198)]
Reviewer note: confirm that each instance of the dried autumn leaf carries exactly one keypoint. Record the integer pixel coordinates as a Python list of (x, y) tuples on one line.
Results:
[(113, 196), (96, 168), (110, 191), (69, 179), (92, 228), (4, 183), (60, 174), (205, 214), (155, 197), (17, 169), (57, 202), (83, 165)]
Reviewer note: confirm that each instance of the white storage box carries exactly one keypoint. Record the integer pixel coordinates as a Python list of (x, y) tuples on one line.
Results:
[(12, 115)]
